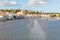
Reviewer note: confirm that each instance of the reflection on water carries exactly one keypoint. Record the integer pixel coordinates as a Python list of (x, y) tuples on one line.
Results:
[(37, 33), (52, 28), (30, 29)]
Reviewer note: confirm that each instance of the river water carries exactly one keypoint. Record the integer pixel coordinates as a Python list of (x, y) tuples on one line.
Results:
[(30, 29)]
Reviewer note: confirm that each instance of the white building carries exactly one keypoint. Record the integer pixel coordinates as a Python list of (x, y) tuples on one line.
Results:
[(20, 13)]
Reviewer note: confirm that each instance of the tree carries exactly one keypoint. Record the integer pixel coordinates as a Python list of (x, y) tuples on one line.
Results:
[(58, 15), (52, 15)]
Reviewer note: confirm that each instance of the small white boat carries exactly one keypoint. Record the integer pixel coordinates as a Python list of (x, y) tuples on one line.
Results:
[(10, 16), (2, 18)]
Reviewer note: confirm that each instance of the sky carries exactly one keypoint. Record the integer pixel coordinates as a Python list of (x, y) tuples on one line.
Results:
[(37, 5)]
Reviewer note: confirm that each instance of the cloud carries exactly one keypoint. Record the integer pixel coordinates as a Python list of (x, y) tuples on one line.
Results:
[(12, 3), (1, 4), (37, 2), (7, 3)]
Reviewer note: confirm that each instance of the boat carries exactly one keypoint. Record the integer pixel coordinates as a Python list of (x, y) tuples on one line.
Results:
[(10, 16), (2, 18)]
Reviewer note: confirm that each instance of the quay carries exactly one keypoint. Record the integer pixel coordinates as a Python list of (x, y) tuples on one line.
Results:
[(4, 16)]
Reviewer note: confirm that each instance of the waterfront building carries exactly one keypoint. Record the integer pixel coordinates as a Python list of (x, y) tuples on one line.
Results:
[(20, 13), (45, 15)]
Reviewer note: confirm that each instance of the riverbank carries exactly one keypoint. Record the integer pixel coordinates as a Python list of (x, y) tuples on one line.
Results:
[(19, 18)]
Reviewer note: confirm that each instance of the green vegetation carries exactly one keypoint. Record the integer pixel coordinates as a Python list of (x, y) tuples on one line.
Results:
[(52, 15), (29, 12), (11, 11), (58, 15), (25, 11), (32, 12)]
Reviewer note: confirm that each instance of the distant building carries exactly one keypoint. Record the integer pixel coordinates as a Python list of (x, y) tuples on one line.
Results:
[(20, 13), (45, 15), (1, 14)]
